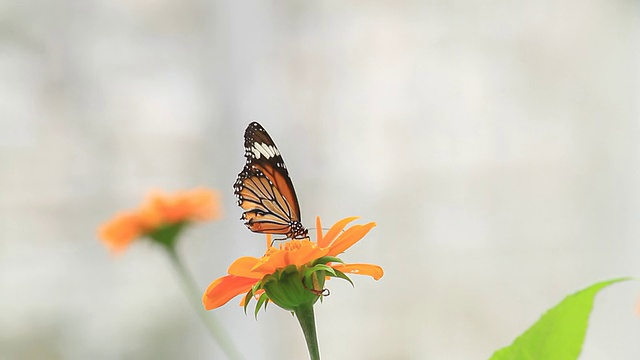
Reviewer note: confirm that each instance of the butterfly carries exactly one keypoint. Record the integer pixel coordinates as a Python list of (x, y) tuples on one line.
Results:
[(264, 190)]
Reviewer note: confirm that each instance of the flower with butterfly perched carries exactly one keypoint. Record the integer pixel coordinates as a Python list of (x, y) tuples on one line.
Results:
[(293, 274), (161, 217)]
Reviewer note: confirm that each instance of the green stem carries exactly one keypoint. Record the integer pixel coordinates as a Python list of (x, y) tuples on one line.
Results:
[(307, 320), (194, 295)]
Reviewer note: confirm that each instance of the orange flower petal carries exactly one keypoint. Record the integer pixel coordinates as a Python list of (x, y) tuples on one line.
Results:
[(269, 241), (224, 289), (306, 254), (269, 263), (192, 205), (319, 232), (349, 237), (374, 271), (118, 233), (242, 267), (203, 204), (150, 218), (334, 231)]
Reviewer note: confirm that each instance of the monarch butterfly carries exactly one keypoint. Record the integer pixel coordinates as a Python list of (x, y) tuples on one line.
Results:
[(264, 190)]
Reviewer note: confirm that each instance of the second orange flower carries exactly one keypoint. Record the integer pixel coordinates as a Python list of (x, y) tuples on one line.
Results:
[(158, 213)]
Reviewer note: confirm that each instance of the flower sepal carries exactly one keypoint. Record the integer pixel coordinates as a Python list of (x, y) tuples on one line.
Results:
[(340, 275), (167, 234), (325, 261), (328, 259), (292, 287)]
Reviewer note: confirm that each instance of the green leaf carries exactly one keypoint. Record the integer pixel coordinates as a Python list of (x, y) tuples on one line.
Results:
[(559, 333)]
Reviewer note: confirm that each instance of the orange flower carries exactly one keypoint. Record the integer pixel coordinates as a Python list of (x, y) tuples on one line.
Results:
[(250, 275), (159, 211)]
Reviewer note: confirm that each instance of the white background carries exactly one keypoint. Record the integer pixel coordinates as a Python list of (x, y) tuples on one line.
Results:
[(494, 143)]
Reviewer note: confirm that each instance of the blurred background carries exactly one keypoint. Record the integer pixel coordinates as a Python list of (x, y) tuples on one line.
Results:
[(496, 144)]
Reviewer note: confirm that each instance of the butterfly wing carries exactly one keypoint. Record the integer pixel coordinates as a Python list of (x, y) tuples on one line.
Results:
[(264, 190)]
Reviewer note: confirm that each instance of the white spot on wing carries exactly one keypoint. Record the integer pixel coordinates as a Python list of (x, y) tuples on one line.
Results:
[(273, 150), (267, 149), (264, 149), (256, 152), (258, 147)]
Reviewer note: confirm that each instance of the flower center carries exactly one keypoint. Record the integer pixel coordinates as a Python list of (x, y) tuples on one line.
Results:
[(289, 246)]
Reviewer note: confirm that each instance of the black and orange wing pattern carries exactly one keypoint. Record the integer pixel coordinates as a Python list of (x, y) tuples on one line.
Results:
[(264, 190)]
